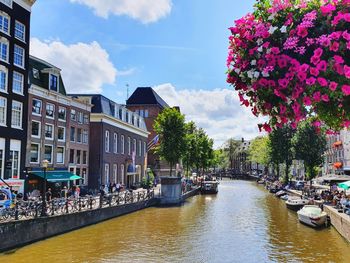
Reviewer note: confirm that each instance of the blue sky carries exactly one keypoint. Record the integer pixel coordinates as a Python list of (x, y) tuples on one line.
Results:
[(179, 47)]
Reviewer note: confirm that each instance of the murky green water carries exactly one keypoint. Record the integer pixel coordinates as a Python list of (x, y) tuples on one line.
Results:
[(243, 223)]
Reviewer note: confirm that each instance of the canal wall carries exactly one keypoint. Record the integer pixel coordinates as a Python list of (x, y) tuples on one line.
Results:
[(191, 193), (340, 221), (19, 233)]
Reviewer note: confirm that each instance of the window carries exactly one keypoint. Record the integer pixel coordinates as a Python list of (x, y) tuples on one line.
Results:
[(3, 109), (142, 113), (1, 163), (36, 109), (7, 2), (84, 157), (16, 121), (106, 173), (85, 136), (122, 173), (115, 173), (36, 73), (129, 146), (49, 131), (83, 181), (115, 143), (134, 146), (127, 117), (3, 79), (140, 148), (72, 134), (34, 153), (60, 155), (80, 117), (73, 115), (62, 114), (107, 141), (121, 114), (4, 49), (86, 119), (17, 83), (79, 135), (20, 31), (36, 129), (48, 153), (144, 149), (122, 144), (61, 134), (50, 110), (71, 156), (78, 156), (53, 82), (146, 114), (14, 157), (18, 56), (4, 23)]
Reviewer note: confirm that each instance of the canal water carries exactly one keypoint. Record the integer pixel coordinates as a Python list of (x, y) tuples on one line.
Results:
[(243, 223)]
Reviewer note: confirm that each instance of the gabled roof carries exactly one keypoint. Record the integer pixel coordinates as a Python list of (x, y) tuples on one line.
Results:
[(146, 96), (42, 78)]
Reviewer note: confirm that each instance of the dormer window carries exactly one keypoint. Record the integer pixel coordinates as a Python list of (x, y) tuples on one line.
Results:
[(36, 73), (53, 82)]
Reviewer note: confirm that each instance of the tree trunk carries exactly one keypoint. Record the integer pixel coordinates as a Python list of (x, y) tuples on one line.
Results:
[(171, 169), (286, 179)]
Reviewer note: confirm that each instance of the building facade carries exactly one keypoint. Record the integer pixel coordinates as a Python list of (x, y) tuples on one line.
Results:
[(58, 125), (118, 143), (241, 164), (14, 58), (337, 155), (148, 104)]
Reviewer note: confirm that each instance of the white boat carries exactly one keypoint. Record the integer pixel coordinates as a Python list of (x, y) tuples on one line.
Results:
[(312, 215), (281, 193), (296, 204), (285, 197)]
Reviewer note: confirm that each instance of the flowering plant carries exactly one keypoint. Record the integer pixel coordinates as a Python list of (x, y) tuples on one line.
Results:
[(290, 59)]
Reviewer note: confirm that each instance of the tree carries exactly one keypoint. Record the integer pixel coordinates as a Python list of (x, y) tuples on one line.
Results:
[(191, 147), (170, 126), (309, 145), (258, 150), (280, 149), (230, 147)]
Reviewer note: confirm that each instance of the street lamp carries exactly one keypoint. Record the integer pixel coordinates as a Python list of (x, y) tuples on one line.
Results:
[(44, 165)]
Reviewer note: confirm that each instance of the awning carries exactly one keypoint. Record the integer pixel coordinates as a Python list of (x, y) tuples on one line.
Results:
[(337, 165), (57, 176), (346, 168), (337, 143), (332, 178)]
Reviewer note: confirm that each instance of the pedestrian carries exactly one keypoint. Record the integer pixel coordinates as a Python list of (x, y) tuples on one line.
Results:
[(48, 195), (102, 190), (118, 186), (64, 192), (77, 192)]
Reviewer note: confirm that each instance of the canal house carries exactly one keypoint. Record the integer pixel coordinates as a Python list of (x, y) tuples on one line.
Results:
[(14, 56), (118, 143), (58, 128)]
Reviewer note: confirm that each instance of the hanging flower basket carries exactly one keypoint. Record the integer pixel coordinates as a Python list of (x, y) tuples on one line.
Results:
[(290, 59)]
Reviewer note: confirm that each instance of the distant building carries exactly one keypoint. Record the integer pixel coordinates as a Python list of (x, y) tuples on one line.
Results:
[(118, 143), (14, 56), (148, 104), (337, 155), (58, 125), (241, 164)]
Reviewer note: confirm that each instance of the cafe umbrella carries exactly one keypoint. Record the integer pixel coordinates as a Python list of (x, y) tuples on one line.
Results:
[(344, 185)]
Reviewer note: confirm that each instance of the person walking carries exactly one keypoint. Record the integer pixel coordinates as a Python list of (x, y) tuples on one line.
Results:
[(48, 195), (77, 192)]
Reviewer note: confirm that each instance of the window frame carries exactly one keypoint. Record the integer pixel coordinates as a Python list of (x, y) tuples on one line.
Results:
[(5, 112), (115, 142), (51, 76), (107, 141), (4, 70), (13, 83), (24, 31), (129, 145), (122, 144), (39, 130), (63, 155), (53, 111), (70, 134), (20, 116), (30, 154), (5, 15), (41, 107), (65, 114), (4, 41), (64, 133), (53, 131), (49, 145), (23, 56)]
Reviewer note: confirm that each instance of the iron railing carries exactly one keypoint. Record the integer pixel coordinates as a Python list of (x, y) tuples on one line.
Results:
[(59, 206)]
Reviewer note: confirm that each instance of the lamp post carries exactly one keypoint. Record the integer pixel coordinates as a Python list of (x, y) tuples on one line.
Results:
[(44, 165)]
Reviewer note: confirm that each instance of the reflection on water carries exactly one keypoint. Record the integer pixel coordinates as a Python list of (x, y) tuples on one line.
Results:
[(243, 223)]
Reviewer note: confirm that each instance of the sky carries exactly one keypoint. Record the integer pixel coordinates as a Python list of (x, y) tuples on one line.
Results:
[(179, 47)]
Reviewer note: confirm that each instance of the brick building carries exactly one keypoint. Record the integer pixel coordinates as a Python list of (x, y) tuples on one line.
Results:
[(58, 126)]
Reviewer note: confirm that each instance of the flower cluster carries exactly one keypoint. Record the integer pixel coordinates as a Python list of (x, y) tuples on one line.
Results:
[(290, 59)]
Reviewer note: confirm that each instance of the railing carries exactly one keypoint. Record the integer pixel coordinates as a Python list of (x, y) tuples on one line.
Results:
[(61, 206)]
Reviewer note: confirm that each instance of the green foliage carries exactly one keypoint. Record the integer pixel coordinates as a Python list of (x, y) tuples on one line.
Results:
[(147, 181), (170, 126), (309, 145), (230, 149), (259, 150)]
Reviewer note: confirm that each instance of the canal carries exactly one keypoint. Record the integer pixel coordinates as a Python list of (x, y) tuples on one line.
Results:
[(243, 223)]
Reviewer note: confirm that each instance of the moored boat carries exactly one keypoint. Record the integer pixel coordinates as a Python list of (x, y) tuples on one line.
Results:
[(209, 187), (281, 193), (296, 204), (312, 215), (285, 197)]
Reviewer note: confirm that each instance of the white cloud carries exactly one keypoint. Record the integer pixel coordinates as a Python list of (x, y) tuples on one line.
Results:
[(146, 11), (217, 111), (85, 67)]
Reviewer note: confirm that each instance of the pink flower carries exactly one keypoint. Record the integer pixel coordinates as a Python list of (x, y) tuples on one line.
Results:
[(315, 60), (347, 71), (322, 66), (339, 69), (333, 85), (282, 109), (302, 32), (314, 72), (301, 75), (316, 123), (338, 59), (304, 67), (317, 96), (318, 52), (310, 81), (275, 50), (267, 127), (325, 98), (283, 83), (334, 47), (322, 81), (307, 101), (346, 90), (327, 9)]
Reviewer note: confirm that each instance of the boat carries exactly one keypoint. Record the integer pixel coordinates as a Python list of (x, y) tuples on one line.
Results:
[(296, 204), (285, 197), (281, 193), (312, 215), (274, 190), (261, 182), (209, 187)]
